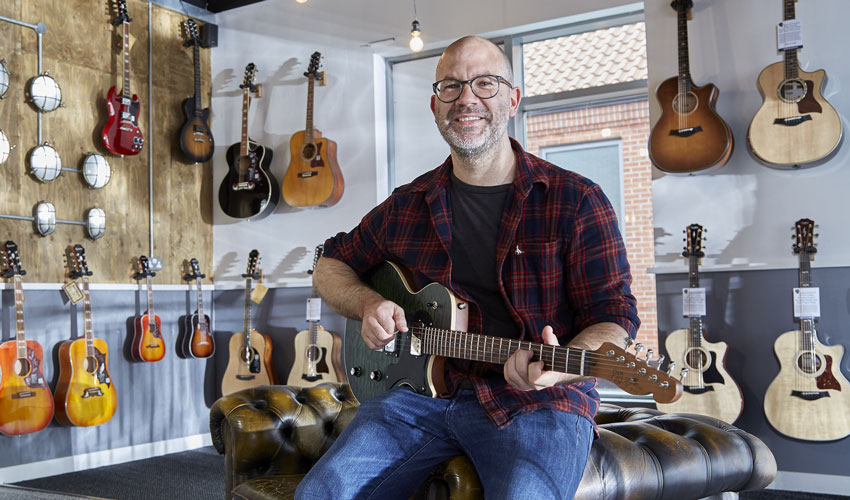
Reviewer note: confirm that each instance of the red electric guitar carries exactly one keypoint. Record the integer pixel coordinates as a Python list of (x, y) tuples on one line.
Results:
[(121, 135), (148, 344)]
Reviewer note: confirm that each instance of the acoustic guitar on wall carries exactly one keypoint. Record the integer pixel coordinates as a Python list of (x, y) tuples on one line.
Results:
[(689, 137), (199, 343), (313, 176), (122, 135), (26, 404), (810, 397), (148, 344), (318, 352), (795, 126), (250, 352), (708, 387), (196, 139), (85, 393), (249, 190)]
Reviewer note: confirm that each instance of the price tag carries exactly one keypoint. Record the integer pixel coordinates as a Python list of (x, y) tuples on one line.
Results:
[(72, 291), (693, 302), (258, 293), (807, 302), (789, 35), (314, 309)]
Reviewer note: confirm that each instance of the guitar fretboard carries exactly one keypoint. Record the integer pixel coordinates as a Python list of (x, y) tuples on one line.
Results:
[(309, 129), (20, 338), (684, 64), (126, 54), (201, 318), (247, 324), (807, 325), (197, 59), (87, 317), (151, 315), (246, 103), (791, 64)]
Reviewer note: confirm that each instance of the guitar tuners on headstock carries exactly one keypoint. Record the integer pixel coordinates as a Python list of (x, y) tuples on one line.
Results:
[(627, 342), (683, 373), (671, 367), (661, 360), (649, 354)]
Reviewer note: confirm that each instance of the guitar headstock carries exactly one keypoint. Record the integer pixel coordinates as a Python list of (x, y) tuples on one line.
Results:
[(685, 5), (693, 241), (191, 28), (11, 260), (635, 375), (316, 256), (248, 80), (77, 262), (195, 271), (253, 270), (313, 67), (123, 16), (804, 230), (144, 269)]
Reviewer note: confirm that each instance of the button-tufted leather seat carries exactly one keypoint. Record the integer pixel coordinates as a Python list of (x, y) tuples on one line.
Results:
[(271, 435)]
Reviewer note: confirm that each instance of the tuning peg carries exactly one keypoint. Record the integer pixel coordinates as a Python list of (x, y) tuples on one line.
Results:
[(683, 373), (627, 342), (638, 349), (660, 361), (649, 353), (671, 367)]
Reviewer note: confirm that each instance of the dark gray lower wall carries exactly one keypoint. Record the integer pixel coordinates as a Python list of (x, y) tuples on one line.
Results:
[(749, 310), (156, 401)]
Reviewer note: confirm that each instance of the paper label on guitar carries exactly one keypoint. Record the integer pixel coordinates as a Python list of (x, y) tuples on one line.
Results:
[(72, 291), (807, 302), (693, 302), (314, 309), (258, 293), (789, 35)]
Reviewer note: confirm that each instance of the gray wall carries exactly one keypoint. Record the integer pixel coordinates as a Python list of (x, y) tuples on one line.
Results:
[(749, 310)]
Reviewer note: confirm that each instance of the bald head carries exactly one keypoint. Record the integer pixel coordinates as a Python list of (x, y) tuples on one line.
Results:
[(474, 47)]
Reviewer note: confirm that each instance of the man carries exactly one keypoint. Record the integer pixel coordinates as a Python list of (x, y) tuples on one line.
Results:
[(536, 253)]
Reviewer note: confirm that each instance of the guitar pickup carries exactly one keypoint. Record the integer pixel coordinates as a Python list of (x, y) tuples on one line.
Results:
[(792, 121), (245, 377), (415, 345), (686, 132)]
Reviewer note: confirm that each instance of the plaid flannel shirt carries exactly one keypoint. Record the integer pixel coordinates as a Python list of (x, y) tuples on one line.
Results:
[(562, 259)]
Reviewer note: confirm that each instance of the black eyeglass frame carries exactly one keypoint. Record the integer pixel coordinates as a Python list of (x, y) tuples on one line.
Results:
[(499, 81)]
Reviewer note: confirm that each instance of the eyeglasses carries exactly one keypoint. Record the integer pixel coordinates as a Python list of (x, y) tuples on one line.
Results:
[(484, 87)]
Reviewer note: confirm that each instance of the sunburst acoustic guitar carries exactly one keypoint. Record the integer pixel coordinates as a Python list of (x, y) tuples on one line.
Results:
[(809, 398), (26, 404), (689, 137), (708, 387), (148, 343), (199, 341), (85, 393), (795, 125)]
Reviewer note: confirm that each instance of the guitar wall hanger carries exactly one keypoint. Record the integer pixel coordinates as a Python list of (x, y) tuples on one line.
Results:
[(46, 165), (44, 218)]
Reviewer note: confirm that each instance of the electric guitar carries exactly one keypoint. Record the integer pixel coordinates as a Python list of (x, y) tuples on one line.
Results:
[(708, 387), (122, 135), (148, 344), (689, 137), (26, 404), (313, 176), (795, 125), (200, 343), (809, 398), (249, 190), (313, 348), (196, 138), (436, 322), (85, 393), (250, 352)]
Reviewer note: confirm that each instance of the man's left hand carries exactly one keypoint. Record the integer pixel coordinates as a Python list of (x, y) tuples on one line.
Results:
[(523, 375)]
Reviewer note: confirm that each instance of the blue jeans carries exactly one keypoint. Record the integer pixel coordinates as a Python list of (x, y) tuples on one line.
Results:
[(397, 438)]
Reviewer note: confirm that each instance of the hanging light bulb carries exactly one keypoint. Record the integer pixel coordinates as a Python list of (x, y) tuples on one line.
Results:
[(301, 1), (416, 43)]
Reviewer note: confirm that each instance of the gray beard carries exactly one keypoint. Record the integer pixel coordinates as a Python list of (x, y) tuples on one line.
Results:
[(465, 148)]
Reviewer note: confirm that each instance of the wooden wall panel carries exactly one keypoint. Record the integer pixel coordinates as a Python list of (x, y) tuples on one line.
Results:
[(81, 50)]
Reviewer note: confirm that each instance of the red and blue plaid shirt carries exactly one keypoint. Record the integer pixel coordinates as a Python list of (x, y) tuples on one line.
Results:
[(562, 259)]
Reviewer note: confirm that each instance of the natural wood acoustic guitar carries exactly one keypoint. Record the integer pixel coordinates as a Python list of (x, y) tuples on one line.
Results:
[(795, 125), (250, 352), (148, 343), (318, 352), (26, 404), (809, 398), (199, 343), (85, 393), (708, 387), (313, 176), (689, 137)]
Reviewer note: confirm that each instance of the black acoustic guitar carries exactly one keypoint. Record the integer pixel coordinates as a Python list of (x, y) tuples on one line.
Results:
[(249, 190), (196, 139), (437, 322)]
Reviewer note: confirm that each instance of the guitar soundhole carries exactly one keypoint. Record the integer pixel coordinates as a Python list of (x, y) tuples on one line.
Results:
[(313, 353), (810, 363), (22, 367), (792, 90), (90, 364), (685, 103), (308, 151), (697, 359)]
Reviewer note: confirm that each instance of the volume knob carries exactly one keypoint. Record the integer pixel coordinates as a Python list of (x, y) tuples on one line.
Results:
[(355, 371), (376, 375)]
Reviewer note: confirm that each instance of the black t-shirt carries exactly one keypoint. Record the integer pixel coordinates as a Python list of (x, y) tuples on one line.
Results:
[(476, 222)]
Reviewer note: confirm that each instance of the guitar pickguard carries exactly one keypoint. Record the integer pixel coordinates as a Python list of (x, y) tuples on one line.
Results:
[(826, 380), (34, 378)]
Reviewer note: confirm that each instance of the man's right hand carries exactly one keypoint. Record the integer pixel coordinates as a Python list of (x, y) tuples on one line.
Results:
[(381, 320)]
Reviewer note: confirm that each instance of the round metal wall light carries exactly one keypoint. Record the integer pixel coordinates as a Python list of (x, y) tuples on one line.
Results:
[(4, 147), (45, 92), (4, 78), (45, 218), (96, 171), (45, 163), (96, 223)]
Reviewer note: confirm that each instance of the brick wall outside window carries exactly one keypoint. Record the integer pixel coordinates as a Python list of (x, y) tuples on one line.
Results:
[(629, 122)]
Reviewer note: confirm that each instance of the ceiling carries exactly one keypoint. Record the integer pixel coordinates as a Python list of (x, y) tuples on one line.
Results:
[(220, 5)]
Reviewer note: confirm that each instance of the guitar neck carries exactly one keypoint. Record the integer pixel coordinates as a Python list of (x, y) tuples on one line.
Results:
[(695, 330), (87, 317), (126, 90), (201, 317), (684, 63), (247, 325), (151, 315), (309, 129), (197, 59), (791, 63), (20, 339), (807, 325), (246, 103)]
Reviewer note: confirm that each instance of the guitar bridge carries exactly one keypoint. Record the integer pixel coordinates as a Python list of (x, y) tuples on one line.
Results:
[(686, 132), (23, 394), (792, 121), (92, 391), (415, 345), (243, 186)]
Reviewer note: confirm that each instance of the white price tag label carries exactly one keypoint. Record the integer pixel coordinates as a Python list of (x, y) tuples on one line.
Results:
[(807, 302), (693, 302), (789, 35), (314, 309)]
